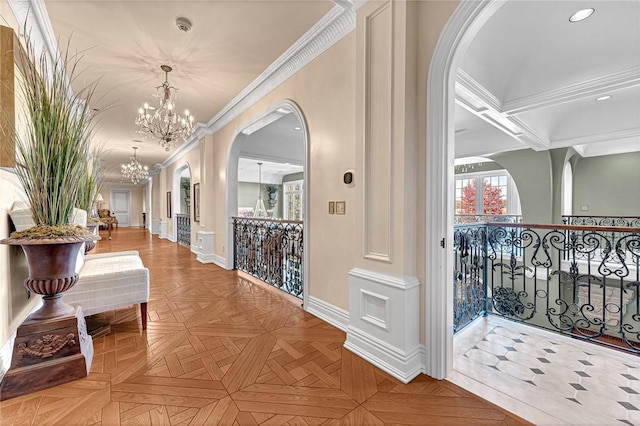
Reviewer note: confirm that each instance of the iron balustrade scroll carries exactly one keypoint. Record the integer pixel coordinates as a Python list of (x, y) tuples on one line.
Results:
[(469, 292), (582, 281), (624, 221), (270, 250), (183, 223), (484, 218)]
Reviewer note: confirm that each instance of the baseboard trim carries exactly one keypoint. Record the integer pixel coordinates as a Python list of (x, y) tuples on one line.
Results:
[(212, 258), (404, 366), (327, 312)]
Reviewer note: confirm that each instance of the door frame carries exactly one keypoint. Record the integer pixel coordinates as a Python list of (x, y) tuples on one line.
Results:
[(456, 36), (111, 202)]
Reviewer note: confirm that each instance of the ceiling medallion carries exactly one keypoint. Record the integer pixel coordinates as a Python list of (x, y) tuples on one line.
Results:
[(164, 122), (134, 170)]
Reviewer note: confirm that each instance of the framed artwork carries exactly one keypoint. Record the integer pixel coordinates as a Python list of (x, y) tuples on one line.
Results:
[(196, 202), (169, 204)]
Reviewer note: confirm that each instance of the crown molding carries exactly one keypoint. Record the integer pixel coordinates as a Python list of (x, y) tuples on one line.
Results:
[(33, 15), (632, 134), (586, 89), (477, 90), (334, 26), (479, 101), (142, 183)]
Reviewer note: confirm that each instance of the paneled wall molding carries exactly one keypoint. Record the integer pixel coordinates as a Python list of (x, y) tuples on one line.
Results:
[(163, 229), (376, 47), (384, 324), (155, 227), (204, 249), (327, 312)]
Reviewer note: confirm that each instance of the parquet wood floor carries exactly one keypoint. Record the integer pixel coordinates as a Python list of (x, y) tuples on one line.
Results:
[(220, 349)]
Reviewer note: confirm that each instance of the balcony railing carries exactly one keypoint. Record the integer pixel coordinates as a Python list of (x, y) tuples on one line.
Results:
[(578, 280), (626, 221), (485, 218), (183, 223), (270, 250)]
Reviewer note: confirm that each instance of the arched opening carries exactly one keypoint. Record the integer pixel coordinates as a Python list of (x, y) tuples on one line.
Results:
[(548, 132), (567, 189), (267, 165), (181, 201)]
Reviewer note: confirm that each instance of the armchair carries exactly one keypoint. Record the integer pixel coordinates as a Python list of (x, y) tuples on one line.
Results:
[(104, 215)]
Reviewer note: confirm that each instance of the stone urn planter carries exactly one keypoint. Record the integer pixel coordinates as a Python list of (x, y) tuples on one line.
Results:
[(52, 270), (52, 345)]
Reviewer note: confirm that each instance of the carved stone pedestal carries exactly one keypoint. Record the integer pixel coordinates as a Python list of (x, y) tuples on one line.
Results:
[(48, 353)]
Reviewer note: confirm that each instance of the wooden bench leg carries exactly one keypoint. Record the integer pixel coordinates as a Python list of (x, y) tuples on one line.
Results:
[(143, 314)]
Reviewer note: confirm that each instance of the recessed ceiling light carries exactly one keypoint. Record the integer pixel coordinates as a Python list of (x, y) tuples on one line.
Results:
[(297, 128), (604, 98), (581, 15)]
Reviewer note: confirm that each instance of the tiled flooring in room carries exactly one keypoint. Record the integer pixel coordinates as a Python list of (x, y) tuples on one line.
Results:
[(547, 378), (220, 350)]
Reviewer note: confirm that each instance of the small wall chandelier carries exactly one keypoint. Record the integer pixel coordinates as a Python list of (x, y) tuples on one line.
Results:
[(134, 170), (164, 122)]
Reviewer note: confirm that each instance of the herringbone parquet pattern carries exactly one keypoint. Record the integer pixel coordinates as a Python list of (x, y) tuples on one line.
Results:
[(220, 349)]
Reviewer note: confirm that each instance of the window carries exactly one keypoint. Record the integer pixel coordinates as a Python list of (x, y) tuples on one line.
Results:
[(498, 196), (293, 200)]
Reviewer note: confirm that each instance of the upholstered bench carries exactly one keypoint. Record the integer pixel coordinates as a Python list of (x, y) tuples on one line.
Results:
[(106, 281), (110, 281)]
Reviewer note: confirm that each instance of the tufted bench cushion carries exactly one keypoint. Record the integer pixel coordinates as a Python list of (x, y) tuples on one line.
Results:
[(109, 281)]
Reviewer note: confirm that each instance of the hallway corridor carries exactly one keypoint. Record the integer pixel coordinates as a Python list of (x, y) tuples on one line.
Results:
[(220, 350)]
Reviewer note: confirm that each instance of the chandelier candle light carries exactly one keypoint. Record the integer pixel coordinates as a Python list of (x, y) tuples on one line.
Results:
[(134, 170), (164, 122)]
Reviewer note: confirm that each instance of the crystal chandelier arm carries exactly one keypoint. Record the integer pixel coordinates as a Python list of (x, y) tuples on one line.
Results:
[(165, 123)]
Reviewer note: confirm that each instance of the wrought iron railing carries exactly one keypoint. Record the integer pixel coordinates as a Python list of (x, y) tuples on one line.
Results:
[(270, 250), (183, 224), (582, 281), (485, 218), (625, 221), (470, 293)]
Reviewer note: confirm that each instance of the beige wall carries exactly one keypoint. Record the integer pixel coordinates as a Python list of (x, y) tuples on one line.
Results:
[(325, 91), (171, 182), (137, 203)]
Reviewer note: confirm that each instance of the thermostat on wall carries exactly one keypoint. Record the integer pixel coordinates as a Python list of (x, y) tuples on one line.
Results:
[(348, 177)]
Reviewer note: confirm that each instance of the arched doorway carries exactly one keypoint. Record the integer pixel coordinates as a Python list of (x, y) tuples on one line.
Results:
[(257, 142), (454, 40), (181, 199)]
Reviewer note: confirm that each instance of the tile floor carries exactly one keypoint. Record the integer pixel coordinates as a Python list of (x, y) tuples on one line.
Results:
[(546, 378)]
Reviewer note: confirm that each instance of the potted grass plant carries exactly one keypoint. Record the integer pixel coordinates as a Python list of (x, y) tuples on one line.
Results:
[(52, 151), (88, 191)]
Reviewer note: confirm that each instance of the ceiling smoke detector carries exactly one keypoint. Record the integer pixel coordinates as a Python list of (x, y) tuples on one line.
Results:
[(183, 24)]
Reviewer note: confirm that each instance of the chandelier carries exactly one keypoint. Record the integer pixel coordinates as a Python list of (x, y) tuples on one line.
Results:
[(134, 170), (164, 122)]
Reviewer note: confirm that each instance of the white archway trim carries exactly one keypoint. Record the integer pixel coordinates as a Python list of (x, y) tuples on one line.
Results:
[(175, 199), (454, 40), (231, 192)]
